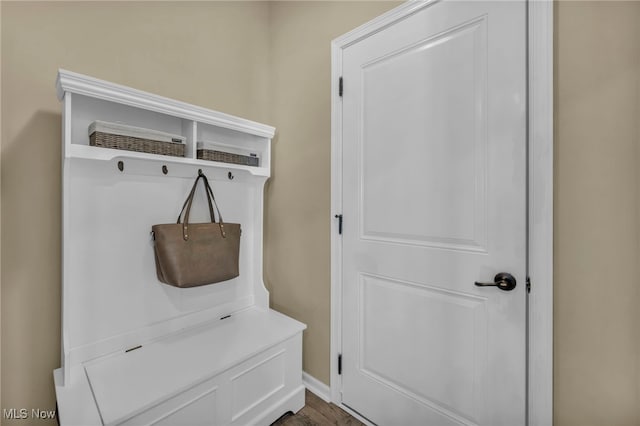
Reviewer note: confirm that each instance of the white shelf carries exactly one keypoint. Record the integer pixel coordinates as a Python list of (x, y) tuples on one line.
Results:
[(87, 100), (107, 154)]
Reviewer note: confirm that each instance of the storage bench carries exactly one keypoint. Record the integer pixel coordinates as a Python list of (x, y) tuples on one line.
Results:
[(241, 370), (134, 350)]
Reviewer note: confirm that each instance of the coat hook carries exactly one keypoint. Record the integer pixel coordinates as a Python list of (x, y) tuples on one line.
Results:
[(200, 172), (121, 166), (230, 176), (164, 169)]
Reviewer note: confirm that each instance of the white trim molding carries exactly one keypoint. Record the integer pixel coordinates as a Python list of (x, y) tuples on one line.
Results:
[(322, 391), (540, 262), (540, 209), (72, 82), (316, 387)]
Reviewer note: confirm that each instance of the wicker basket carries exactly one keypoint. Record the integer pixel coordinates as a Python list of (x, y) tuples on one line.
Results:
[(130, 143), (129, 138), (227, 157)]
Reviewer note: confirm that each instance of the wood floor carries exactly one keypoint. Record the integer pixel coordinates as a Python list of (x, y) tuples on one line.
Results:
[(317, 412)]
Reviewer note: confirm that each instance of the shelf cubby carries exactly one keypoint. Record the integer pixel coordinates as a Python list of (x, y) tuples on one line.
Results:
[(87, 100)]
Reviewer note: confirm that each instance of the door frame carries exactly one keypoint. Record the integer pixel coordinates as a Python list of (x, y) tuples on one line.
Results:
[(539, 195)]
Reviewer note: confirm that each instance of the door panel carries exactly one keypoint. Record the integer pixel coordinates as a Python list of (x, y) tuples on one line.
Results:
[(418, 150), (434, 199), (456, 320)]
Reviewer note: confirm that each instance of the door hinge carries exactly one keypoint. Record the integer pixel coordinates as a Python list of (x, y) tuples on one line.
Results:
[(528, 285), (339, 363), (339, 217), (340, 87)]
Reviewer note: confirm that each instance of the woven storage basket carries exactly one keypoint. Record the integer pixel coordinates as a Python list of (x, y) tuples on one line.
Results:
[(130, 143), (129, 138), (227, 157)]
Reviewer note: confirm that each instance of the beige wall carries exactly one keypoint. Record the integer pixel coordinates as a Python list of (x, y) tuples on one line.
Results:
[(0, 208), (597, 215), (188, 51), (298, 217), (213, 54)]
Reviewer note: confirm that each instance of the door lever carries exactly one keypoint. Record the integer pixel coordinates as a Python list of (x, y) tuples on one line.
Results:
[(502, 280)]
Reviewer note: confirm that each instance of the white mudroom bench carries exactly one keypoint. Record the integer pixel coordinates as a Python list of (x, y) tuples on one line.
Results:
[(139, 352)]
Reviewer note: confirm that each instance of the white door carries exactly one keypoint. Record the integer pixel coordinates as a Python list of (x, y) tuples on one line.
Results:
[(434, 199)]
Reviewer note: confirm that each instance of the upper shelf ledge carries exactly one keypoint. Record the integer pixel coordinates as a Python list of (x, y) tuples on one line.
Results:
[(68, 81)]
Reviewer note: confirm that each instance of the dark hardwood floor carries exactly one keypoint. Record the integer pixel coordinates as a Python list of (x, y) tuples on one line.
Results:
[(317, 412)]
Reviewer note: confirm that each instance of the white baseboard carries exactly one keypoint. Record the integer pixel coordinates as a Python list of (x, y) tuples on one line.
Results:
[(316, 387), (323, 392)]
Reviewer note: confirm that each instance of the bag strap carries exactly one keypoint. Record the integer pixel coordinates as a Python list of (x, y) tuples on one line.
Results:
[(189, 201), (212, 197), (190, 196)]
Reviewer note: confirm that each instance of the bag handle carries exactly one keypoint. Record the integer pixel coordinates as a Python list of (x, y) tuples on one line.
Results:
[(189, 201), (212, 197), (191, 194)]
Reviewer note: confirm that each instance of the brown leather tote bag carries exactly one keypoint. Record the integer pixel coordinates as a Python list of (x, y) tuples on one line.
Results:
[(195, 254)]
